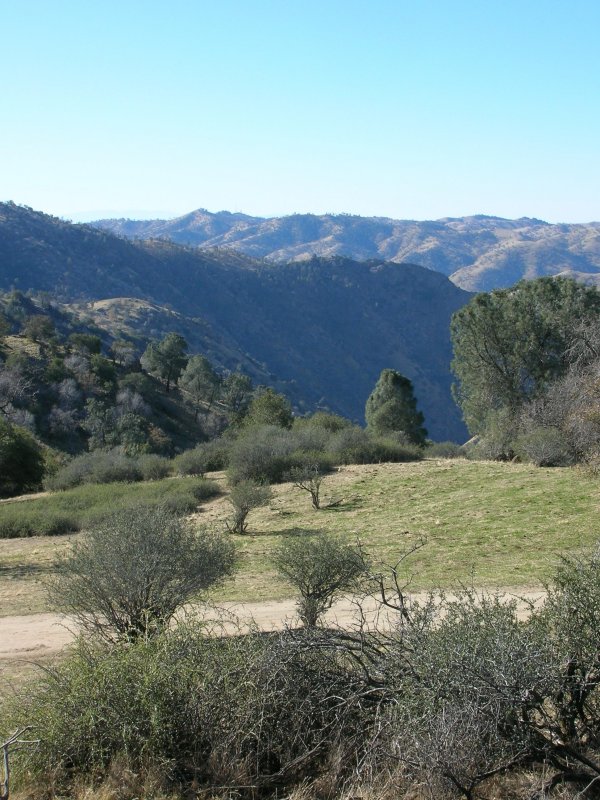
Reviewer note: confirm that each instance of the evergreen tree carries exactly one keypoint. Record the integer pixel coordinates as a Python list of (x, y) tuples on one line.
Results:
[(201, 382), (392, 407), (166, 359), (270, 408)]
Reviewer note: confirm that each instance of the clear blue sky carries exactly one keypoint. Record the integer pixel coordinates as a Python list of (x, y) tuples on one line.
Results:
[(410, 109)]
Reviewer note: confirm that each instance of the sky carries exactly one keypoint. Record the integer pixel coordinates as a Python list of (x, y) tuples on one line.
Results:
[(411, 109)]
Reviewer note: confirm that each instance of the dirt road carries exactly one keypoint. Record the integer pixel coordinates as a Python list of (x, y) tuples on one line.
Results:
[(34, 636)]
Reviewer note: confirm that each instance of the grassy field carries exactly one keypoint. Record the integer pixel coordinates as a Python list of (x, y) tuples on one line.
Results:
[(496, 524)]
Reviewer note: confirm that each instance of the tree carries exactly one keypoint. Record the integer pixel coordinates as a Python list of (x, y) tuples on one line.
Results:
[(166, 359), (392, 407), (510, 344), (132, 572), (270, 408), (245, 496), (320, 567), (308, 477), (39, 328), (86, 343), (236, 393), (123, 352), (21, 460), (201, 382)]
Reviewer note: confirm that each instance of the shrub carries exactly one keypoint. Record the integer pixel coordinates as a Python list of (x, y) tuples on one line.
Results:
[(356, 446), (153, 467), (544, 447), (100, 466), (191, 462), (132, 572), (261, 454), (205, 712), (245, 496), (444, 450), (78, 508), (16, 525), (320, 567)]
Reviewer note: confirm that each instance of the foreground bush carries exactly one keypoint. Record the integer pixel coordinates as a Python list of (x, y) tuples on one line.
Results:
[(251, 711), (442, 700), (131, 573)]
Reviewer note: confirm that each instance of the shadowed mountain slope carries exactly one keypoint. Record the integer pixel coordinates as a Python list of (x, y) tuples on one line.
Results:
[(478, 253), (321, 330)]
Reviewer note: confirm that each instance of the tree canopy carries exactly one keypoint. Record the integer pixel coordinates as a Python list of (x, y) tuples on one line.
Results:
[(166, 359), (392, 407), (510, 344)]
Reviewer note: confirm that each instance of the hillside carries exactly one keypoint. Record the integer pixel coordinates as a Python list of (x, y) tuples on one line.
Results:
[(320, 330), (478, 253)]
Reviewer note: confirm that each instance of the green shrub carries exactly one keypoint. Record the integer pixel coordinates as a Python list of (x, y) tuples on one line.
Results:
[(261, 454), (191, 462), (14, 525), (356, 446), (100, 466), (444, 450), (153, 467), (544, 447), (78, 508), (206, 712)]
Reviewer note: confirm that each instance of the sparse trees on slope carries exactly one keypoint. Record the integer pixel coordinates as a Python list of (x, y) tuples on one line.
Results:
[(392, 407)]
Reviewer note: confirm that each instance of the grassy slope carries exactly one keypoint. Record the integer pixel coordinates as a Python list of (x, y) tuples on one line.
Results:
[(501, 524)]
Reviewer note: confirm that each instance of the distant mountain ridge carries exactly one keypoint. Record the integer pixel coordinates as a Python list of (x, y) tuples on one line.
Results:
[(478, 253), (321, 330)]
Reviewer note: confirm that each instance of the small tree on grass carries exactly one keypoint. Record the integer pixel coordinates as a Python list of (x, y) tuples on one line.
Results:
[(309, 478), (131, 573), (245, 496), (320, 567)]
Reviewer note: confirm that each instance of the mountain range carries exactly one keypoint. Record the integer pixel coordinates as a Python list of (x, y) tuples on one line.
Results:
[(477, 253), (319, 329)]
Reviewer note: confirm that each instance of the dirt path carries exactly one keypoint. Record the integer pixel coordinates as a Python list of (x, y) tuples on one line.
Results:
[(34, 636)]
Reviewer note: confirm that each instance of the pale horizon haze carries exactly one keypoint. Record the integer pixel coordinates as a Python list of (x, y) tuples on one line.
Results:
[(409, 110)]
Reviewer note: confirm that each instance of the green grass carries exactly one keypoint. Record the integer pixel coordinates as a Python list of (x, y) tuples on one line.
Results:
[(490, 523), (496, 524), (75, 509)]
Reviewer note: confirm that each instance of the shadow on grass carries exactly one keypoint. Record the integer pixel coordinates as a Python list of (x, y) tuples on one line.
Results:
[(286, 532), (350, 504)]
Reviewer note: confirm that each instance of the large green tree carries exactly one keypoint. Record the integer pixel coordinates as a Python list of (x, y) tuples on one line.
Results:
[(392, 407), (21, 460), (166, 359), (510, 344), (201, 382), (270, 408)]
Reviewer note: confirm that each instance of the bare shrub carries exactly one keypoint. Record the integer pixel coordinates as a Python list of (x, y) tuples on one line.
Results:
[(130, 574), (244, 497), (320, 567)]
